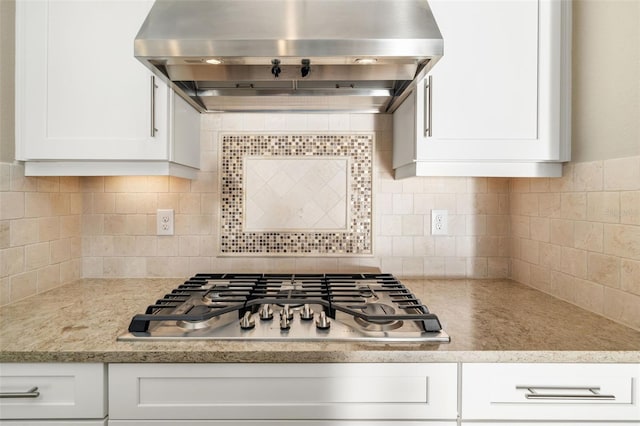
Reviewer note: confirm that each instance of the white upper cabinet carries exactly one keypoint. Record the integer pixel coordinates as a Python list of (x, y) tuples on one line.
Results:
[(498, 102), (85, 105)]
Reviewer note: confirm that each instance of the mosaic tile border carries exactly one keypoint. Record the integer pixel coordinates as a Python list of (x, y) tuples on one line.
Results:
[(356, 241)]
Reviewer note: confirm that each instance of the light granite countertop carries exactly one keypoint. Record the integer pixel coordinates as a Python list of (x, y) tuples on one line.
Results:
[(488, 321)]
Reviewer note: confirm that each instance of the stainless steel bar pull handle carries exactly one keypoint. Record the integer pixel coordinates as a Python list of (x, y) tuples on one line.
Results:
[(31, 393), (427, 107), (590, 393), (154, 86)]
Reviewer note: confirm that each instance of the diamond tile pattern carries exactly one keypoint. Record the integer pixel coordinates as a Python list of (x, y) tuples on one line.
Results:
[(299, 193)]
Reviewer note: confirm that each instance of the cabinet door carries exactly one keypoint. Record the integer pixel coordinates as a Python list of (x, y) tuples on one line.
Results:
[(496, 94), (81, 94), (557, 392), (332, 393)]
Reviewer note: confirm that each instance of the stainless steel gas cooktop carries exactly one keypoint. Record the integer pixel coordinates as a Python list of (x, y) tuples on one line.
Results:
[(289, 307)]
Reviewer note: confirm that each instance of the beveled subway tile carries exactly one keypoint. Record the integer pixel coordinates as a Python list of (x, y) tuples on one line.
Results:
[(520, 226), (540, 278), (589, 236), (49, 228), (5, 235), (23, 232), (562, 232), (574, 262), (622, 307), (498, 267), (604, 269), (434, 267), (60, 250), (412, 267), (603, 207), (521, 271), (540, 229), (540, 185), (550, 255), (104, 202), (550, 205), (48, 184), (630, 279), (498, 225), (630, 207), (520, 185), (455, 267), (622, 240), (37, 204), (48, 277), (445, 246), (477, 267), (23, 285), (588, 295), (126, 203), (412, 225), (529, 204), (573, 205), (70, 270), (588, 176), (530, 251)]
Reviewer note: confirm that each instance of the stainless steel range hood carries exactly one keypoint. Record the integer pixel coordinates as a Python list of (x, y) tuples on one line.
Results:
[(290, 55)]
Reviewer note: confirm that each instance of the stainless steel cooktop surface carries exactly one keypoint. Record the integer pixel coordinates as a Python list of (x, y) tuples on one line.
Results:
[(289, 307)]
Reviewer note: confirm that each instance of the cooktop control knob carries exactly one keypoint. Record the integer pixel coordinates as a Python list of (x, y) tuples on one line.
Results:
[(285, 323), (265, 312), (306, 313), (247, 321), (323, 322), (286, 311)]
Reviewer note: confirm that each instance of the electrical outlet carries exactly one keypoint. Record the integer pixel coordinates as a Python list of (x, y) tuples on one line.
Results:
[(164, 222), (439, 222)]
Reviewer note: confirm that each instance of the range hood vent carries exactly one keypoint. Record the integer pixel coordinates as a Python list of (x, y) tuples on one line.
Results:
[(290, 55)]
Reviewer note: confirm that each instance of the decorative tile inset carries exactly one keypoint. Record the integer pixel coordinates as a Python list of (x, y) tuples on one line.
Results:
[(296, 195)]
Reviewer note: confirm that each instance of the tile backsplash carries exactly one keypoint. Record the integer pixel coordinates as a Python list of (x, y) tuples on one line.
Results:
[(40, 232), (576, 237), (119, 214)]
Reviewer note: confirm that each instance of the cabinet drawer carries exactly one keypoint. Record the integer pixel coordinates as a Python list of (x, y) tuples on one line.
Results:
[(283, 391), (66, 391), (585, 392)]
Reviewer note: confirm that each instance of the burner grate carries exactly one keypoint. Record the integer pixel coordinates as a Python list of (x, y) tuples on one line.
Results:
[(206, 296)]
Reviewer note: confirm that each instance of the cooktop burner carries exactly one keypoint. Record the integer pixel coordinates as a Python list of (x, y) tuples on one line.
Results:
[(285, 307)]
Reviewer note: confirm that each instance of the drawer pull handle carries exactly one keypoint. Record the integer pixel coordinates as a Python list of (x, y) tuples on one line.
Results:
[(31, 393), (592, 393)]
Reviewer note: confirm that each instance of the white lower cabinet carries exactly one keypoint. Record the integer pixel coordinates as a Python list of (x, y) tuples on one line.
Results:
[(305, 394), (550, 392), (53, 394)]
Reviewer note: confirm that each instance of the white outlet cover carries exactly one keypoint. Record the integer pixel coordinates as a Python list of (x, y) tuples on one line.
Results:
[(439, 222), (164, 222)]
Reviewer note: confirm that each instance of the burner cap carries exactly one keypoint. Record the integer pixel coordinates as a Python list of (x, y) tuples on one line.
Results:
[(196, 325), (379, 325)]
